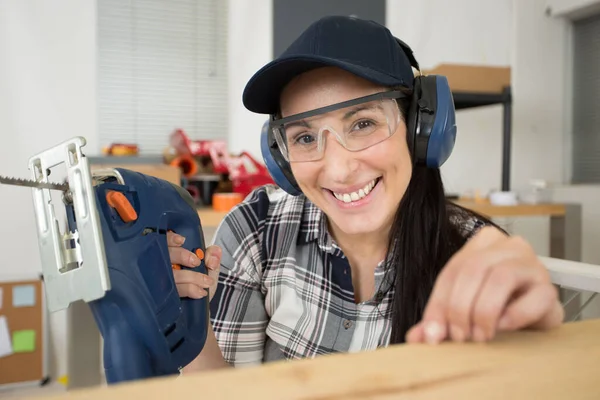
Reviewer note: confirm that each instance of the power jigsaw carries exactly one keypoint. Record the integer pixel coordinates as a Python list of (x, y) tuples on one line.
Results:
[(113, 255)]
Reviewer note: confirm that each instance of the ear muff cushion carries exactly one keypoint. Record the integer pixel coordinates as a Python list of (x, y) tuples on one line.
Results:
[(275, 163), (424, 105), (432, 121), (413, 121), (443, 131)]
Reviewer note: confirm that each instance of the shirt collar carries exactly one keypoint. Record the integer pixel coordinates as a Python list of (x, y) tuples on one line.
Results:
[(313, 228)]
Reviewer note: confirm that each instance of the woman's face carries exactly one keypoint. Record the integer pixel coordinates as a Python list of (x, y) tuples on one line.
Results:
[(381, 171)]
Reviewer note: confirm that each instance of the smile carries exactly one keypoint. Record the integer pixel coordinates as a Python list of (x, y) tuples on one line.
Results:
[(356, 195)]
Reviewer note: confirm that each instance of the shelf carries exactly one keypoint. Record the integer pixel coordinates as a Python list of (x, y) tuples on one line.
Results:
[(465, 100), (473, 78)]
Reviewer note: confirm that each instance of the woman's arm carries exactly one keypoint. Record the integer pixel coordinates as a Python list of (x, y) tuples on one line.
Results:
[(237, 307), (210, 357)]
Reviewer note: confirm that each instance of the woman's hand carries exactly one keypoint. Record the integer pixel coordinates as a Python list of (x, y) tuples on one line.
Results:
[(494, 283), (189, 283)]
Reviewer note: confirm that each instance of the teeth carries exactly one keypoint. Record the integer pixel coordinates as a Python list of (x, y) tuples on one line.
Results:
[(355, 196)]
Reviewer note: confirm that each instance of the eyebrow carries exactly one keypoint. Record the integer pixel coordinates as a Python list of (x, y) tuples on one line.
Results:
[(361, 108), (302, 123)]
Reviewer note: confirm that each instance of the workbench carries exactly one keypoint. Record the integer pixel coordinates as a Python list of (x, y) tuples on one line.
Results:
[(557, 364), (565, 223)]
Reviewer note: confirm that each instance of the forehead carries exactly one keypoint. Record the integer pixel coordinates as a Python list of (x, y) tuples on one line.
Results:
[(323, 87)]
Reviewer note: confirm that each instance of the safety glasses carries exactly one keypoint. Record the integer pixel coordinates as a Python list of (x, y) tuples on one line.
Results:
[(356, 124)]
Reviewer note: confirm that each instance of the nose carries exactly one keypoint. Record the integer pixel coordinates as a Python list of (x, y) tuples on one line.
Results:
[(340, 163)]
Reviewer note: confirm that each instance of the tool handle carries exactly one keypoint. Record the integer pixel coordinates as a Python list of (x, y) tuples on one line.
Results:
[(125, 356), (143, 304), (193, 310)]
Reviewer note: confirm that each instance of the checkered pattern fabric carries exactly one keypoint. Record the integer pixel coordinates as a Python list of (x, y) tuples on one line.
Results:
[(285, 288)]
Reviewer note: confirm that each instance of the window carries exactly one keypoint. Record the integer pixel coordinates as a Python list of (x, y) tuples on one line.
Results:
[(586, 101), (162, 65)]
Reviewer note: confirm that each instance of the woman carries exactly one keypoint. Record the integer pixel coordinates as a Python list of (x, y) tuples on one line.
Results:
[(365, 251)]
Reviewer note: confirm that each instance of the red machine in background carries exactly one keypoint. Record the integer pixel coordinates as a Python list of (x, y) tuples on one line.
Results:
[(210, 161)]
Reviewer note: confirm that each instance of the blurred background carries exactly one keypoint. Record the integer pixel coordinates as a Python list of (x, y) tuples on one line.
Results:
[(156, 85)]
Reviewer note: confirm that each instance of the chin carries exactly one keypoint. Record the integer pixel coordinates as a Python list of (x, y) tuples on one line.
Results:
[(357, 226)]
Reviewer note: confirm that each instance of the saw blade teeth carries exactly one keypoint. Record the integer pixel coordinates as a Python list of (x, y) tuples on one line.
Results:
[(34, 184)]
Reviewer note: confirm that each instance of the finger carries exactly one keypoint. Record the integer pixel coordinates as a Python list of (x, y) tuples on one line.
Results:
[(173, 239), (192, 277), (184, 257), (464, 275), (213, 257), (435, 313), (191, 290), (469, 284), (485, 237), (459, 305), (415, 334), (433, 325), (505, 281), (536, 308)]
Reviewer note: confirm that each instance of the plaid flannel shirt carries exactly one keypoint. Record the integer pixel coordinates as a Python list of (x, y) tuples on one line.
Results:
[(285, 288)]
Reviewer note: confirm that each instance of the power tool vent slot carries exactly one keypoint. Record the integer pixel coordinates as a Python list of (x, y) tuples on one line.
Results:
[(177, 345), (170, 329)]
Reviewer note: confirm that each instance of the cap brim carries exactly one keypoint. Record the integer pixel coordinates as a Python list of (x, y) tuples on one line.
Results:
[(262, 91)]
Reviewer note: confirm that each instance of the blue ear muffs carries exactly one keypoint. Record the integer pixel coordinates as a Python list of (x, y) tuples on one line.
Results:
[(278, 167), (432, 121), (431, 127)]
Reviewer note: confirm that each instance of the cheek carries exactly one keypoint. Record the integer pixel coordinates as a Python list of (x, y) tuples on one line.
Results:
[(394, 158), (305, 174)]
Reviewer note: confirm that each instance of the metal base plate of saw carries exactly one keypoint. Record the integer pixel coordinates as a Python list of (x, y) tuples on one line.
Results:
[(73, 264)]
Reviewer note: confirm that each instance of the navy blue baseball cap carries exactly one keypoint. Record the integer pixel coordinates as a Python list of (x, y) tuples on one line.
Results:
[(362, 47)]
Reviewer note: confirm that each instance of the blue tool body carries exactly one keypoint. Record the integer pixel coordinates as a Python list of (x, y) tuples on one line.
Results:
[(148, 330)]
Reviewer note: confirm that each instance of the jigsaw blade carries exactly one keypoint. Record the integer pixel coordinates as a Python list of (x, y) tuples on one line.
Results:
[(33, 184)]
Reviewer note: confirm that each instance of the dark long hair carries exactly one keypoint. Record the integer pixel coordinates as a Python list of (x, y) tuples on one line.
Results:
[(428, 229)]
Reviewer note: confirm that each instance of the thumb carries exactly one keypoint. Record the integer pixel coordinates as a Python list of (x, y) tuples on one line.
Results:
[(213, 258)]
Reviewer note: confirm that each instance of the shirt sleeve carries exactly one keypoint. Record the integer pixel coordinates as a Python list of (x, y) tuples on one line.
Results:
[(468, 222), (238, 314)]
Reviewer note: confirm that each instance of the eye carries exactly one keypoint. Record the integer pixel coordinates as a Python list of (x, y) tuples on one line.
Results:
[(304, 139), (364, 124)]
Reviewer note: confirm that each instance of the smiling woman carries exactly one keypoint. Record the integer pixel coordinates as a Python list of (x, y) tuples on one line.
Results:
[(357, 158), (356, 247)]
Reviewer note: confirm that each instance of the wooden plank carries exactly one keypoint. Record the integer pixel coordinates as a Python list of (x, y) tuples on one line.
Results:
[(557, 364)]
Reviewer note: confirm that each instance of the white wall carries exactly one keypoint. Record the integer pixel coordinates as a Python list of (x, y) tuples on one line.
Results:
[(475, 32), (541, 62), (511, 33), (250, 47), (47, 94)]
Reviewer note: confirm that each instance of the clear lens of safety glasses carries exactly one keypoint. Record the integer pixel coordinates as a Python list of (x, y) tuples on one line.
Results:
[(356, 127)]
